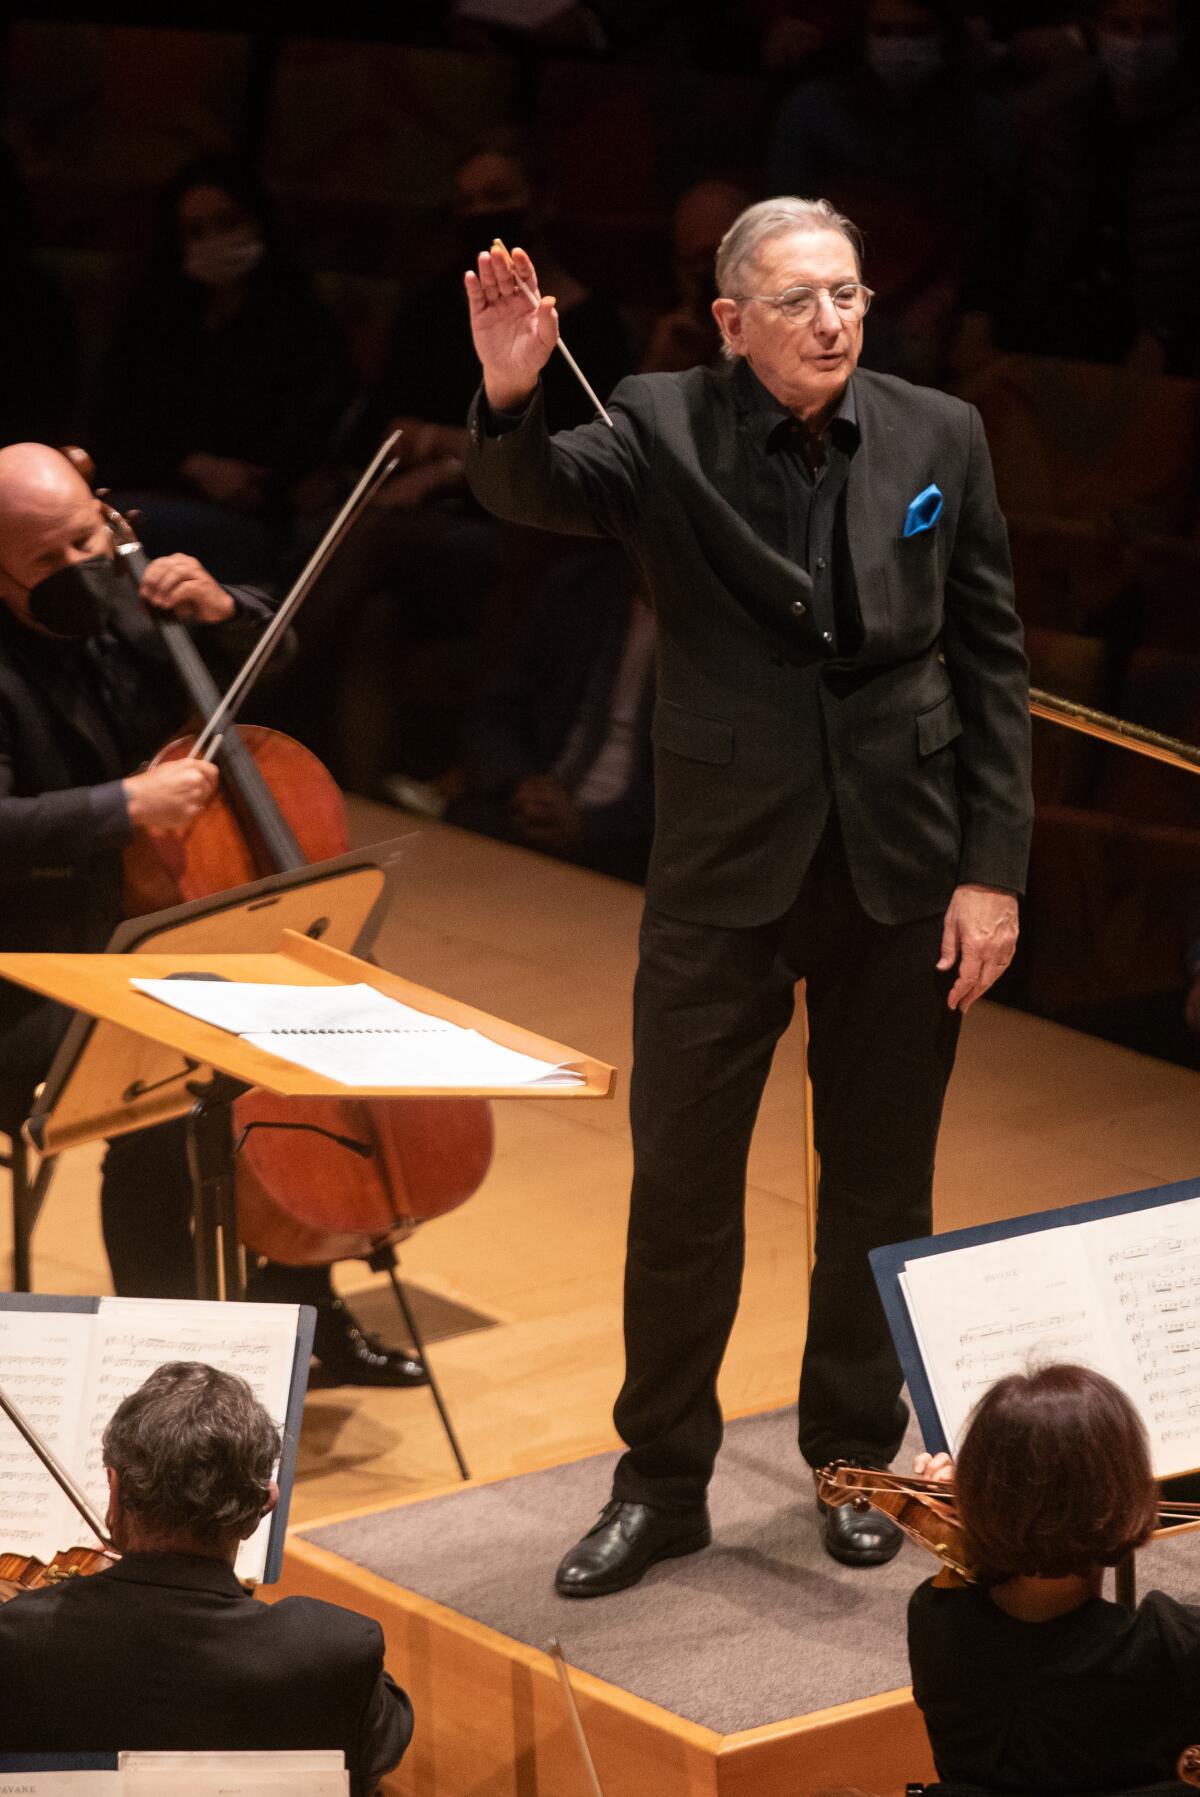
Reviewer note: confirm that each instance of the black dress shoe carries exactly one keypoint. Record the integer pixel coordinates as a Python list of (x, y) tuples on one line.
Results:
[(858, 1537), (624, 1542), (349, 1356)]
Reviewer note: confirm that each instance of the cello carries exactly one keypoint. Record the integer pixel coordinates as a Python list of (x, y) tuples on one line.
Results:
[(277, 809)]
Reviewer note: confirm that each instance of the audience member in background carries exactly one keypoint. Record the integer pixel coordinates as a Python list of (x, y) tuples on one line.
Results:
[(687, 335), (87, 696), (1029, 1680), (925, 160), (38, 395), (224, 378), (431, 374), (1110, 269), (165, 1650), (403, 605), (557, 754)]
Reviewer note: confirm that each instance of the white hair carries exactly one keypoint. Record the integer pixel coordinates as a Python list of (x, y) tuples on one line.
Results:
[(768, 219)]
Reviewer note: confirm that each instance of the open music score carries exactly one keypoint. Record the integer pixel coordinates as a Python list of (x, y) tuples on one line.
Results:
[(67, 1370), (1119, 1293)]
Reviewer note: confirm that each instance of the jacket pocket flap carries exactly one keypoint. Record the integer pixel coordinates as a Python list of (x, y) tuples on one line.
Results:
[(690, 733), (938, 726)]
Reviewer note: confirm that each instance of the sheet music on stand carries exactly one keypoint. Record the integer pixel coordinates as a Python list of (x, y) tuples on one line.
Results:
[(69, 1361), (285, 1774), (295, 1774), (1113, 1285)]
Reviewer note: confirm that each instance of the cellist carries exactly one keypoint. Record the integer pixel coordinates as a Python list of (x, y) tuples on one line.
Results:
[(86, 695), (1028, 1679)]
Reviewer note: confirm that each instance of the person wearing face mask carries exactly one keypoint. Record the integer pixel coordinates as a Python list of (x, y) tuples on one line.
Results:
[(224, 378), (687, 336), (87, 695), (926, 159), (1109, 270)]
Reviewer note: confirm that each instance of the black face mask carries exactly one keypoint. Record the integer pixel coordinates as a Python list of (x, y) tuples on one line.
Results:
[(481, 229), (75, 601)]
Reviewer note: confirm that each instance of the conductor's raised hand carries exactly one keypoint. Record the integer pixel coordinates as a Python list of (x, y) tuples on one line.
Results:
[(514, 334)]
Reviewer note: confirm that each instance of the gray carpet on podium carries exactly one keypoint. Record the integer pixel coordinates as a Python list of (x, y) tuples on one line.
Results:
[(760, 1627)]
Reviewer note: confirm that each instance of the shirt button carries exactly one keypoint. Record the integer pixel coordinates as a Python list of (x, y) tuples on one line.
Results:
[(822, 564), (798, 608)]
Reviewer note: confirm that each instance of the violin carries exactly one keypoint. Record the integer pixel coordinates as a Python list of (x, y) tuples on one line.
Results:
[(927, 1511), (301, 1199), (25, 1572)]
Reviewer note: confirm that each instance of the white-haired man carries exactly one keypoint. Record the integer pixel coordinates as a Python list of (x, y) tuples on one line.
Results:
[(842, 794)]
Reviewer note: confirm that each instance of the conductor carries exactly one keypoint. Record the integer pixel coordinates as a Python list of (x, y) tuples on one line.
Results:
[(842, 795)]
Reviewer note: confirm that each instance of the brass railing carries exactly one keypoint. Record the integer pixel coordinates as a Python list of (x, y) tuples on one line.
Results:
[(1125, 735)]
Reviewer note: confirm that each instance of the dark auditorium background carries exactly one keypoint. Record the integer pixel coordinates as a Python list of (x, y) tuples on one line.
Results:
[(1028, 181)]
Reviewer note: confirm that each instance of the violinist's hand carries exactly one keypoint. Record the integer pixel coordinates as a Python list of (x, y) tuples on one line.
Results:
[(182, 585), (514, 336), (169, 795), (934, 1466)]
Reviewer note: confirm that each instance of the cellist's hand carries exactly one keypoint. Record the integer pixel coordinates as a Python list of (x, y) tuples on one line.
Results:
[(184, 586), (169, 795), (514, 336), (934, 1466)]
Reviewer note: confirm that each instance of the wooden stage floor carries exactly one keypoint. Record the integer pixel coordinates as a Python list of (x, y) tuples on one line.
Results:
[(523, 1283)]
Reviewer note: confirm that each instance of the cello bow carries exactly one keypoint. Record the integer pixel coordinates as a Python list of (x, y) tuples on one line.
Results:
[(585, 1752)]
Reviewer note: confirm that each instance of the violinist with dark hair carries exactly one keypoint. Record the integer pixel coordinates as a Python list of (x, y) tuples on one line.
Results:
[(1028, 1679), (86, 696)]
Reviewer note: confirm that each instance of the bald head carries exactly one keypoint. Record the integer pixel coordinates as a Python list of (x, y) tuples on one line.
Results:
[(49, 518)]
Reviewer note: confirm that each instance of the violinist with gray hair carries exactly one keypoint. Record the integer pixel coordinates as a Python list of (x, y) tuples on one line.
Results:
[(165, 1650), (842, 796)]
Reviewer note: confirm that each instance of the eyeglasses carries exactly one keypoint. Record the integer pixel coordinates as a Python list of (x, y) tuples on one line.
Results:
[(799, 304)]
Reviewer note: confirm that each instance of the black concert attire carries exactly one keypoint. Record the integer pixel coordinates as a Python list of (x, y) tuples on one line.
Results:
[(841, 738), (168, 1652), (76, 717), (1101, 1699)]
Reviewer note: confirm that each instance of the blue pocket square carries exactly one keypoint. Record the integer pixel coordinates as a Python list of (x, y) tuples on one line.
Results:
[(924, 511)]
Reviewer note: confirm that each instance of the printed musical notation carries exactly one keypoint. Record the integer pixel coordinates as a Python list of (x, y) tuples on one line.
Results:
[(68, 1371), (1118, 1293)]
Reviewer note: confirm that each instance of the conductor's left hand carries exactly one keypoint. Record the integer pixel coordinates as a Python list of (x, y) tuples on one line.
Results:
[(979, 936), (182, 585)]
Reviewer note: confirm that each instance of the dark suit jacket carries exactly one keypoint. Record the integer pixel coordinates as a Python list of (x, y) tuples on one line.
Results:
[(758, 727), (167, 1652), (63, 817)]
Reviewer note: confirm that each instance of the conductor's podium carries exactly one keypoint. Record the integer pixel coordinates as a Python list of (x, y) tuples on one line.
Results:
[(757, 1668)]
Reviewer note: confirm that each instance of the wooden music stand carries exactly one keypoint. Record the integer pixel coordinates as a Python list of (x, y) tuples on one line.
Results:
[(207, 1066), (343, 901), (132, 1062)]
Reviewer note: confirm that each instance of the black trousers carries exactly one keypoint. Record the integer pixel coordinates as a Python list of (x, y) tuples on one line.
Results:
[(709, 1006)]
